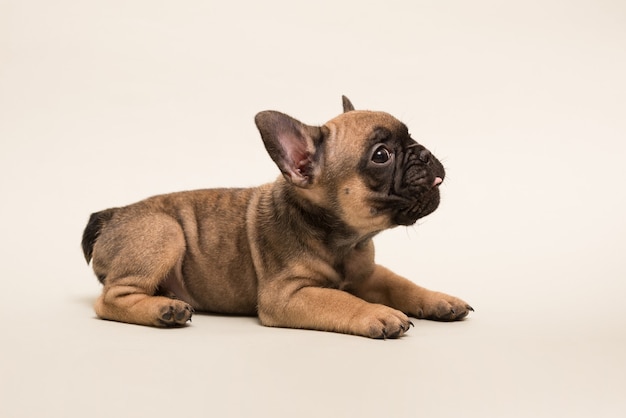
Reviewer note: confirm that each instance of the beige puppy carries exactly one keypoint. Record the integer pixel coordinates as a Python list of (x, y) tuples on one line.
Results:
[(297, 252)]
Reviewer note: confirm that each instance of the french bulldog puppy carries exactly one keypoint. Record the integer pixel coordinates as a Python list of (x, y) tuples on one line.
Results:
[(297, 252)]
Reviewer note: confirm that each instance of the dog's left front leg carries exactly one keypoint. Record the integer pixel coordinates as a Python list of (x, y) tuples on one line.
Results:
[(324, 309), (385, 287)]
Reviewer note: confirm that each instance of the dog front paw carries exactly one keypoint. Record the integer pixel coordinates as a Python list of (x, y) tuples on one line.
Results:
[(441, 307), (382, 322)]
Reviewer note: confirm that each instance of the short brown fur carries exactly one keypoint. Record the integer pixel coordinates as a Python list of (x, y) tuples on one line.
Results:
[(297, 252)]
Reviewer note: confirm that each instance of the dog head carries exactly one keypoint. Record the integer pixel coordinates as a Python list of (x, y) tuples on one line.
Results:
[(362, 165)]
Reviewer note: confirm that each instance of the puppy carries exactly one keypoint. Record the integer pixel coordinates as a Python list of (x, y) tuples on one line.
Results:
[(297, 252)]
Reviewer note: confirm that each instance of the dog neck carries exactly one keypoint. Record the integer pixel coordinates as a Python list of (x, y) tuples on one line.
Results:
[(309, 214)]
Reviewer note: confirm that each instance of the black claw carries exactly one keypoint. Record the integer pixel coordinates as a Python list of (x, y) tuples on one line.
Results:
[(411, 324), (469, 308)]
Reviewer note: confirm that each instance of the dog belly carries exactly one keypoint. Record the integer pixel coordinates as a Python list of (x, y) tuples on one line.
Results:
[(217, 270), (214, 293), (222, 289)]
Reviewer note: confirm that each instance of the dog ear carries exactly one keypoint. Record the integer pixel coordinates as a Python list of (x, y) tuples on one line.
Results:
[(294, 146), (347, 104)]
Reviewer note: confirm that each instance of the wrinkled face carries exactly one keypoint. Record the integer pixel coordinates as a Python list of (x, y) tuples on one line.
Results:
[(403, 175), (395, 180)]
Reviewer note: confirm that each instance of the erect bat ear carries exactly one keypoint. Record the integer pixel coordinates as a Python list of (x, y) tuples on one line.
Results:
[(347, 104), (294, 146)]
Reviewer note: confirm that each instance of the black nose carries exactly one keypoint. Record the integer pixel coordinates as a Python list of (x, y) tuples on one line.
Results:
[(424, 156)]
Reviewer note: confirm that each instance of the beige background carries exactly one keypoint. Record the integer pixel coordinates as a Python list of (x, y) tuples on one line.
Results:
[(103, 103)]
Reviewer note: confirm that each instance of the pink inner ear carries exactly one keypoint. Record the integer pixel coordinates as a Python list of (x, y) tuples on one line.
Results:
[(301, 166), (297, 158)]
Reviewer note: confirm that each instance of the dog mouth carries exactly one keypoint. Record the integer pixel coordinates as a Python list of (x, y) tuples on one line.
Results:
[(408, 212), (405, 211)]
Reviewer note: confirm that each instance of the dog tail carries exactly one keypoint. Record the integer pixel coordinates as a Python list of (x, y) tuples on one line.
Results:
[(92, 231)]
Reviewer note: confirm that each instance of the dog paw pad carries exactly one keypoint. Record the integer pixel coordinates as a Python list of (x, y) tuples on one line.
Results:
[(175, 315)]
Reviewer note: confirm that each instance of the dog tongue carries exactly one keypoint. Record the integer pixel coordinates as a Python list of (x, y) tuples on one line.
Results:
[(437, 182)]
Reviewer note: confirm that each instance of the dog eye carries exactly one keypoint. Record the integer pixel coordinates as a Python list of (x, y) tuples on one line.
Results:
[(381, 155)]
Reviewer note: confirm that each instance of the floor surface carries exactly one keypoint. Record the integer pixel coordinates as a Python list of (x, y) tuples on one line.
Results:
[(105, 103)]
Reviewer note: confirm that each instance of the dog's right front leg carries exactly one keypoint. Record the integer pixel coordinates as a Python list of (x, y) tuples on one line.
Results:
[(327, 309)]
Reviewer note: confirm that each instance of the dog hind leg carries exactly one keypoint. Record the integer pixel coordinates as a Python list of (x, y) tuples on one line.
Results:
[(135, 257), (133, 305)]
